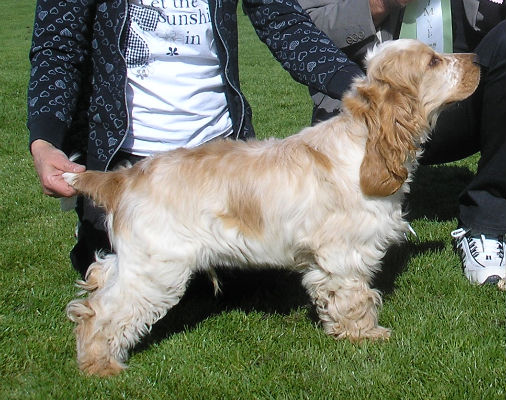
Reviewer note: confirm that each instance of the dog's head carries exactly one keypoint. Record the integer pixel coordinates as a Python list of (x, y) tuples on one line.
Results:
[(434, 79), (407, 85)]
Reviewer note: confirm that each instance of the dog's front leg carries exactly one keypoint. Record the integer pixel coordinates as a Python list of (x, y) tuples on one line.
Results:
[(347, 306)]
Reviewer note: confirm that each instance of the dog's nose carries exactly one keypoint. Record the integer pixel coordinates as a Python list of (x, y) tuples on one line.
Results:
[(476, 59)]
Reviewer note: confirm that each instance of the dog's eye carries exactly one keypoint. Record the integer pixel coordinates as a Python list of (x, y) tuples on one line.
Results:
[(434, 61)]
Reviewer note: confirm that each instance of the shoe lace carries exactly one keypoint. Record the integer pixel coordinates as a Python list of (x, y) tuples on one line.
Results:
[(500, 247), (459, 233), (488, 245)]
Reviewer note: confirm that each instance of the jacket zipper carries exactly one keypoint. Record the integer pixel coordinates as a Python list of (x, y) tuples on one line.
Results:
[(125, 86), (218, 4)]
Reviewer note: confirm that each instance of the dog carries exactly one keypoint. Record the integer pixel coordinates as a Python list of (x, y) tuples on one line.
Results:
[(326, 202)]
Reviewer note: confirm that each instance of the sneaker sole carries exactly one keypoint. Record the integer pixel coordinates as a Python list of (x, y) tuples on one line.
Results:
[(492, 280)]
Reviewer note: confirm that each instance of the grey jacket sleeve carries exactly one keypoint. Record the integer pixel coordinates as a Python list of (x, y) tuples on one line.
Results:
[(345, 21), (348, 23)]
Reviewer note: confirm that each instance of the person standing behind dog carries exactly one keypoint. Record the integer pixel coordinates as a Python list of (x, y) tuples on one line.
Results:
[(121, 80), (474, 125)]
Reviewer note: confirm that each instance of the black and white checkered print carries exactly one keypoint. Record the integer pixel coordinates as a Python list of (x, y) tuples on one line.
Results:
[(137, 52)]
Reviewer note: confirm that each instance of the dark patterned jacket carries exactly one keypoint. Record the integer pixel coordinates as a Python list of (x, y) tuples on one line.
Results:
[(76, 93)]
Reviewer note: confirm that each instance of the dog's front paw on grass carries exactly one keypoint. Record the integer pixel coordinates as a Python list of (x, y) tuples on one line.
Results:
[(102, 367), (357, 336), (378, 333)]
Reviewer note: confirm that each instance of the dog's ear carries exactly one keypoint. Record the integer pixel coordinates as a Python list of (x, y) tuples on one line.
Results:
[(380, 176), (79, 310), (391, 119)]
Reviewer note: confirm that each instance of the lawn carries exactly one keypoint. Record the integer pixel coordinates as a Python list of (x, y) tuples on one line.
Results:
[(259, 339)]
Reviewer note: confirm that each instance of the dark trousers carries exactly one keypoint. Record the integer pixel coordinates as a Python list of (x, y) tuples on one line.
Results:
[(478, 124), (92, 235)]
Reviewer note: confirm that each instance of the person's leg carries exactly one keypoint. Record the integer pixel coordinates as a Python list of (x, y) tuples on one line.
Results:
[(456, 135), (483, 203), (91, 235), (479, 124)]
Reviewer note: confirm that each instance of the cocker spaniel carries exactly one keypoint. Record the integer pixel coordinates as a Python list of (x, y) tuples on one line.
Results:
[(326, 202)]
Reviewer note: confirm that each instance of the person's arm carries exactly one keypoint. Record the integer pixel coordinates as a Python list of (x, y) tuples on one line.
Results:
[(58, 56), (346, 22), (302, 49), (351, 24)]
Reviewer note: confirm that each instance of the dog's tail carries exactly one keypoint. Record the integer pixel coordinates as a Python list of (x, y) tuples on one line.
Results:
[(104, 188)]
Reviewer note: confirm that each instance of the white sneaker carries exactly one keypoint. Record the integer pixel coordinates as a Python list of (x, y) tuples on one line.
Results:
[(482, 256)]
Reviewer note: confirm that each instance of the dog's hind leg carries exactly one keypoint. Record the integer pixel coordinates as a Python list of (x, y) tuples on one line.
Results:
[(115, 317), (347, 307)]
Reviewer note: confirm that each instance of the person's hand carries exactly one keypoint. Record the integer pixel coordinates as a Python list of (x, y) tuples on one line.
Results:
[(380, 9), (50, 163)]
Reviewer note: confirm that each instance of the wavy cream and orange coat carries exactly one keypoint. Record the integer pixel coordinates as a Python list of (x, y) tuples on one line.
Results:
[(326, 202)]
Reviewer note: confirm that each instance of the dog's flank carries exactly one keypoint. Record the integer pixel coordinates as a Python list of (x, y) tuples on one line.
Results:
[(326, 202)]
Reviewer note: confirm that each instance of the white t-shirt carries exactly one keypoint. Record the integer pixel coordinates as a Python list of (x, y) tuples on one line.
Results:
[(175, 92)]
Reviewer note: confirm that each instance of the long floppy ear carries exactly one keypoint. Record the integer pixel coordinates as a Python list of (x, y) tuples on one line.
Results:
[(393, 120)]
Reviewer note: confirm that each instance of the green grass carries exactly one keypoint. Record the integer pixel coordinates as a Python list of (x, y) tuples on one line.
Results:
[(260, 339)]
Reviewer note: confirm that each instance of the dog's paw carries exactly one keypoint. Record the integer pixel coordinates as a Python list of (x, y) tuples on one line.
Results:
[(376, 333), (101, 367)]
